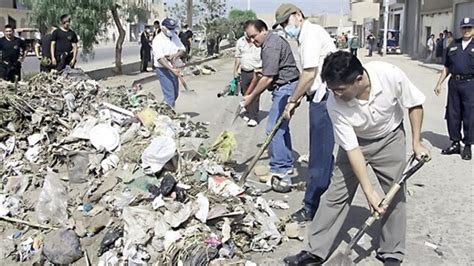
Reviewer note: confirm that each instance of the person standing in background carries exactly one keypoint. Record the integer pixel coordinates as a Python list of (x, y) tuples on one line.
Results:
[(44, 45), (64, 45)]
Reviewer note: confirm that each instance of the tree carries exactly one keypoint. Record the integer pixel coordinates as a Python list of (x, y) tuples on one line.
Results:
[(237, 19), (90, 19)]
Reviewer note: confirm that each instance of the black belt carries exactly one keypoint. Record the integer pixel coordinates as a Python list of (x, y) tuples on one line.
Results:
[(277, 86), (463, 77)]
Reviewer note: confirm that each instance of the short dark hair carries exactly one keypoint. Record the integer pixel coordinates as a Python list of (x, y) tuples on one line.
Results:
[(259, 24), (9, 26), (247, 24), (64, 17), (185, 26), (341, 67), (156, 22)]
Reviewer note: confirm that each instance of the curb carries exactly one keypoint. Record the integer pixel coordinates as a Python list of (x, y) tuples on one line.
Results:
[(152, 76), (438, 68)]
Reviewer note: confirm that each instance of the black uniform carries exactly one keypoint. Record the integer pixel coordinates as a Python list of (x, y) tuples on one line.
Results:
[(11, 50), (145, 51), (184, 37), (460, 107), (45, 43), (63, 48)]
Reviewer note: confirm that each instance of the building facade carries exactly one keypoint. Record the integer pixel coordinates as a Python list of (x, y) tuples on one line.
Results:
[(13, 13)]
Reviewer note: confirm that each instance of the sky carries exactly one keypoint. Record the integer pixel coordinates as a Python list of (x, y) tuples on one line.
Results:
[(309, 7)]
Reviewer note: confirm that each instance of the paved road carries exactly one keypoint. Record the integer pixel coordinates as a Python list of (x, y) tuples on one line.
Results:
[(440, 202), (101, 57)]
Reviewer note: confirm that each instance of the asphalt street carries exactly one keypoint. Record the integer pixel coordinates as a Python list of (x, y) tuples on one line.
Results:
[(101, 57), (440, 196)]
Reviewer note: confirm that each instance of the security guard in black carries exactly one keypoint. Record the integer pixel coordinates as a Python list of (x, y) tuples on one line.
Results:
[(12, 51), (64, 45), (460, 107)]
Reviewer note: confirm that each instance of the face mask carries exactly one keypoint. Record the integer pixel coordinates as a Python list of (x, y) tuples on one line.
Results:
[(292, 31)]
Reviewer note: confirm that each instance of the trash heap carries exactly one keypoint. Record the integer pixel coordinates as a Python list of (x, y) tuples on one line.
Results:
[(111, 175)]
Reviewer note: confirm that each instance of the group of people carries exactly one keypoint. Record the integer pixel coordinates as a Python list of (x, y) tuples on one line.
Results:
[(359, 108), (146, 43), (55, 50), (436, 48)]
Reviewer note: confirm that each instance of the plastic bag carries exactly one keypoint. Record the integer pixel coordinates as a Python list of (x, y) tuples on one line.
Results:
[(157, 154), (52, 202)]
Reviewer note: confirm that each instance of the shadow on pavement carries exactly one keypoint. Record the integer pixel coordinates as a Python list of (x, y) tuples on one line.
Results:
[(437, 140), (356, 217)]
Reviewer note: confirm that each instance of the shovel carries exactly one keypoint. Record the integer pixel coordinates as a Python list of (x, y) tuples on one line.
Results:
[(183, 82), (261, 150), (343, 259)]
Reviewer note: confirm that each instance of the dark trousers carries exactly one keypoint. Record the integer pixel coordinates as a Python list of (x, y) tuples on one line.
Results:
[(63, 60), (8, 71), (45, 65), (354, 51), (371, 49), (460, 110), (145, 56), (321, 160), (252, 109)]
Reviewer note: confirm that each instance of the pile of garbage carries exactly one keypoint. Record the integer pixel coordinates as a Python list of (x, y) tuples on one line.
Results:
[(111, 175)]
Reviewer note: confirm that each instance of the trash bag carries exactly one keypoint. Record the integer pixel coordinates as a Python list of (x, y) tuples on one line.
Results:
[(52, 201), (109, 239), (157, 154)]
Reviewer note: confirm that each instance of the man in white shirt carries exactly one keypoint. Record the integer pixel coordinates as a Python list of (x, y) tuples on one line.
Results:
[(167, 48), (314, 44), (247, 59), (366, 108)]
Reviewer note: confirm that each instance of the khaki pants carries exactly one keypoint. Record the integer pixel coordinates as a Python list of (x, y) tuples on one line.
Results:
[(386, 156)]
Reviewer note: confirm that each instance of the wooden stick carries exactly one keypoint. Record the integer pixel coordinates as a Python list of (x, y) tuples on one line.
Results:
[(13, 220)]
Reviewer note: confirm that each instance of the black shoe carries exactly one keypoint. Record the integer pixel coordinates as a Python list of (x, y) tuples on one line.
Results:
[(455, 148), (466, 153), (302, 215), (303, 258), (392, 262)]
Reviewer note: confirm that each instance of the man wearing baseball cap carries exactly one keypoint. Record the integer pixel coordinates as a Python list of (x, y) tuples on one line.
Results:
[(167, 48), (460, 108), (314, 45)]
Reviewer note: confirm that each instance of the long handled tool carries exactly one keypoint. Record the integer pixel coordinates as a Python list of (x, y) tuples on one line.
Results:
[(185, 85), (343, 259), (262, 149)]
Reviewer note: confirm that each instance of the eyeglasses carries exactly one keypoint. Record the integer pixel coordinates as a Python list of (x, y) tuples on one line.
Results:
[(66, 21)]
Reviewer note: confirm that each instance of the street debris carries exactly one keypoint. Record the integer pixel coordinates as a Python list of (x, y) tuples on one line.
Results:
[(117, 174)]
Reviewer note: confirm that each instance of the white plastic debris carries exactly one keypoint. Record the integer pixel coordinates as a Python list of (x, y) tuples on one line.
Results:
[(171, 237), (278, 204), (224, 187), (35, 138), (103, 136), (32, 154), (157, 154), (203, 208), (52, 202), (158, 202), (109, 163)]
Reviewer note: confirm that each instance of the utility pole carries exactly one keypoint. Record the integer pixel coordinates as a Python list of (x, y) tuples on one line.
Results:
[(189, 13), (385, 26), (248, 4)]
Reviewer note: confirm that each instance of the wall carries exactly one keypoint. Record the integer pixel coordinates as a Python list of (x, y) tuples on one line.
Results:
[(461, 10), (362, 10), (18, 15)]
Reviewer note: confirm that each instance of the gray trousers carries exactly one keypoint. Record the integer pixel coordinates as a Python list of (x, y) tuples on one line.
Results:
[(386, 156), (252, 109)]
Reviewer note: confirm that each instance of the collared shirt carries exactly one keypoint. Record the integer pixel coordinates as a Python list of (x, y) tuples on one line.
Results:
[(460, 61), (277, 60), (165, 46), (314, 45), (382, 113), (248, 53)]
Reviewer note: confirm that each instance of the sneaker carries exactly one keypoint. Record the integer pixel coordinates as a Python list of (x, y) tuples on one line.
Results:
[(245, 118), (290, 173), (252, 123), (302, 215)]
